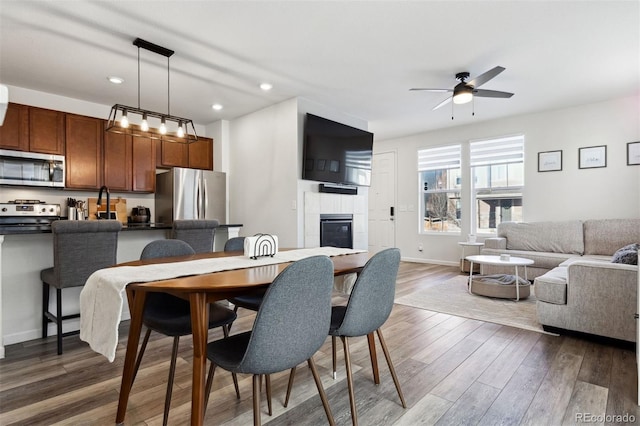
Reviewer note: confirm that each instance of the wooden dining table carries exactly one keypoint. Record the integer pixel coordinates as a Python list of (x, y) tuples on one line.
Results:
[(200, 290)]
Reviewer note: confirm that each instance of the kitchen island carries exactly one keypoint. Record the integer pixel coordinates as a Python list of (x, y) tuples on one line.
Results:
[(24, 255)]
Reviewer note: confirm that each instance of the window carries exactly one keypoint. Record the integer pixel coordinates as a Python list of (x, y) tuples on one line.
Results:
[(440, 182), (497, 170)]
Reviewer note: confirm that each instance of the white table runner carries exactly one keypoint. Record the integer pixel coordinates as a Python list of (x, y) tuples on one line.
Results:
[(102, 297)]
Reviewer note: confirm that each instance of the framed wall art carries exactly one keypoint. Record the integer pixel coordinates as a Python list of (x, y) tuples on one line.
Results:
[(592, 157), (550, 161), (633, 153)]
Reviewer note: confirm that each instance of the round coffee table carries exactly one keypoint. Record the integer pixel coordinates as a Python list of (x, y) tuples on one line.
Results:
[(496, 260)]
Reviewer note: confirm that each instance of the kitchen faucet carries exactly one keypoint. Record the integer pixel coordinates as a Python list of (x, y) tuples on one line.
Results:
[(99, 203)]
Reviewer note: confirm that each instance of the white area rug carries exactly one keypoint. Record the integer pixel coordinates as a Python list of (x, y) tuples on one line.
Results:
[(452, 297)]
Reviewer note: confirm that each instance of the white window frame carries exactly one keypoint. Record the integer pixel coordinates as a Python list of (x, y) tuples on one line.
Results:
[(495, 152), (445, 157)]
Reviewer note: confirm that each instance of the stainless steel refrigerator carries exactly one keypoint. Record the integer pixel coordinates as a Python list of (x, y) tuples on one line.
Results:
[(190, 194)]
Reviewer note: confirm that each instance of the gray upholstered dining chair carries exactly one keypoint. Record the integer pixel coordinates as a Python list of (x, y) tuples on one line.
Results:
[(171, 316), (290, 326), (79, 249), (253, 301), (198, 234), (368, 308), (234, 244)]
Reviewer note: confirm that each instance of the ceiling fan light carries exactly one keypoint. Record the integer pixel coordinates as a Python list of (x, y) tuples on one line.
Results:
[(462, 97)]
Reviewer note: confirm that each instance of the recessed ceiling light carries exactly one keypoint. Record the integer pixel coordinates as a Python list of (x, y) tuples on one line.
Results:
[(116, 80), (266, 86), (217, 107)]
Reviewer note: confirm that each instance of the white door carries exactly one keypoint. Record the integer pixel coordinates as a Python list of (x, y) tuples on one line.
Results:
[(382, 202)]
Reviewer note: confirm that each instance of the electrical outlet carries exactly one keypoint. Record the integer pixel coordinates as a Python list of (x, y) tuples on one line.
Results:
[(419, 247)]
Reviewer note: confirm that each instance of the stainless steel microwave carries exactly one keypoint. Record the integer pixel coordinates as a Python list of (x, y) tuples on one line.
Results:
[(31, 169)]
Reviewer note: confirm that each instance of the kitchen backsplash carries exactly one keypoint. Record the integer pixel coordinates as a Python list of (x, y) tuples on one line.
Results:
[(56, 196)]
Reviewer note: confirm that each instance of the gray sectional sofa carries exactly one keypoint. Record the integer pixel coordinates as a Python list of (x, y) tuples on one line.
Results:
[(577, 287)]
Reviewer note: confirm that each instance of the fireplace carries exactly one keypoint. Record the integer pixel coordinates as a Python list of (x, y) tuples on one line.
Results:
[(336, 230)]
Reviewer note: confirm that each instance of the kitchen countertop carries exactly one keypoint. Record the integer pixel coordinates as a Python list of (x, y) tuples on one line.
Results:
[(127, 227), (146, 226)]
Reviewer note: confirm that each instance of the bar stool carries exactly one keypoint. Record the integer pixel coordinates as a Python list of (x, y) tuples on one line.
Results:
[(197, 233), (79, 249)]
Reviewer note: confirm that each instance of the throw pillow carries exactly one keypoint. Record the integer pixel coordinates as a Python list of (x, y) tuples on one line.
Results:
[(627, 254)]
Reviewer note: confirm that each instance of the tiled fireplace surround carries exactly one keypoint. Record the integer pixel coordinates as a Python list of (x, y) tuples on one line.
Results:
[(316, 203)]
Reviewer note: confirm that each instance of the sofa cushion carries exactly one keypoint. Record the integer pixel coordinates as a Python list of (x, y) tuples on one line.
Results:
[(552, 286), (574, 259), (627, 254), (554, 237), (606, 236)]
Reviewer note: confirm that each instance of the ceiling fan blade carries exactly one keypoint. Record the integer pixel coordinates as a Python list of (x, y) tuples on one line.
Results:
[(491, 93), (433, 90), (443, 103), (483, 78)]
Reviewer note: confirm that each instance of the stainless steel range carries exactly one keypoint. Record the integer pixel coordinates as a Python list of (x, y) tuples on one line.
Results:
[(27, 216)]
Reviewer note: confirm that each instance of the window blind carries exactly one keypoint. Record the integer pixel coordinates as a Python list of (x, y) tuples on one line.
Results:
[(497, 151), (445, 157)]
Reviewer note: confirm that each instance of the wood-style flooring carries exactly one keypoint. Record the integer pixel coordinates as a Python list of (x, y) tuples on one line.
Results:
[(453, 371)]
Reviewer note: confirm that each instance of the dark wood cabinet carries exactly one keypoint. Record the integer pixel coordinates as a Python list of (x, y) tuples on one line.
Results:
[(117, 161), (46, 131), (129, 163), (84, 152), (174, 154), (33, 129), (201, 154), (14, 132), (143, 165), (195, 155)]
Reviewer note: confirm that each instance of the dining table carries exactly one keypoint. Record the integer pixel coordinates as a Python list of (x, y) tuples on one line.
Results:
[(200, 290)]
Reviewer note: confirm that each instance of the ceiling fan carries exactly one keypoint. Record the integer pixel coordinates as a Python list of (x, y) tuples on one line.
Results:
[(464, 91)]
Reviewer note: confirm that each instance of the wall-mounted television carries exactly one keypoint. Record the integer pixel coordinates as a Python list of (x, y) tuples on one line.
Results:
[(336, 153)]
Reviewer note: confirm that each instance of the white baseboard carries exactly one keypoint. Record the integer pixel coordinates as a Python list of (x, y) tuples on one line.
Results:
[(25, 336), (434, 261)]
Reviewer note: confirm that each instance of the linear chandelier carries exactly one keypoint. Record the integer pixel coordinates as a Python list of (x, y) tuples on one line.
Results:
[(182, 129)]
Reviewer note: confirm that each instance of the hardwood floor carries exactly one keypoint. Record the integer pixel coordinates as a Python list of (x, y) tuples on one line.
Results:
[(453, 371)]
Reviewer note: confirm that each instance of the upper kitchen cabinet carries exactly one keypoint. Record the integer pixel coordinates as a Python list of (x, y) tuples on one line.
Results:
[(84, 152), (129, 163), (173, 154), (201, 154), (33, 129), (143, 160), (14, 132), (195, 155), (117, 161), (46, 131)]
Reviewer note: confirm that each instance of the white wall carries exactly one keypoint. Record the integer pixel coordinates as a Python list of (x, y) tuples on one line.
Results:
[(611, 192), (262, 175)]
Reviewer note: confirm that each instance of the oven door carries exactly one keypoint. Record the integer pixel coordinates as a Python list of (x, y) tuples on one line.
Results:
[(20, 225)]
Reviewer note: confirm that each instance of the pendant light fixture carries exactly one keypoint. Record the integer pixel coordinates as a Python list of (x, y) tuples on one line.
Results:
[(185, 130)]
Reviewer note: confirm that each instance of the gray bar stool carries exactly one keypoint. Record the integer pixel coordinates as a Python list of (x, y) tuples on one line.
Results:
[(79, 249), (197, 233)]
